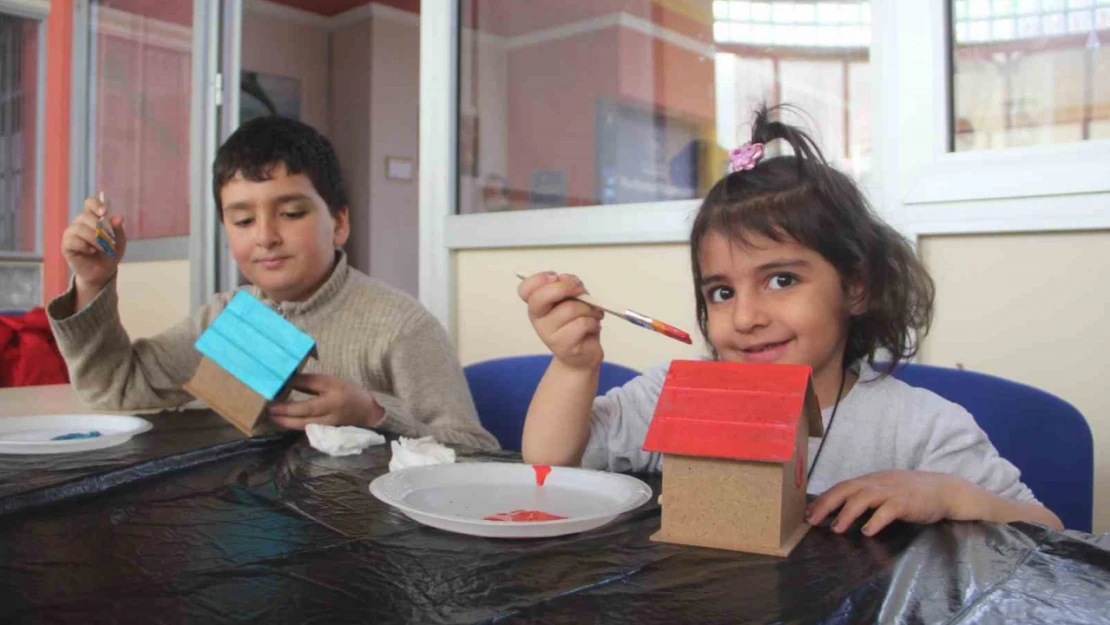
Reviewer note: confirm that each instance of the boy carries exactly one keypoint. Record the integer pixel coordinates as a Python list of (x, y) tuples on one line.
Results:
[(384, 361)]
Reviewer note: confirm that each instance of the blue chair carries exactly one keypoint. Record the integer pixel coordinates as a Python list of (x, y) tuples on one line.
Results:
[(503, 388), (1044, 436)]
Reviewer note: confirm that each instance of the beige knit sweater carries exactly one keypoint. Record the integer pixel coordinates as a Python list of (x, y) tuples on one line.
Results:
[(366, 332)]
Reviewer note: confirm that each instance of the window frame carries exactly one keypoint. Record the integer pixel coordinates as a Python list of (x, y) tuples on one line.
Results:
[(917, 185), (932, 191), (37, 11)]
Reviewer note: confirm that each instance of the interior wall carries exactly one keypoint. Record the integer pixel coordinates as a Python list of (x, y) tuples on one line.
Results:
[(295, 50), (349, 113), (1030, 308), (151, 296), (394, 225), (492, 321)]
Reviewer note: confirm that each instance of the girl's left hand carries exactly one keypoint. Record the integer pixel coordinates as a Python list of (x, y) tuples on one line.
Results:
[(336, 402), (913, 496)]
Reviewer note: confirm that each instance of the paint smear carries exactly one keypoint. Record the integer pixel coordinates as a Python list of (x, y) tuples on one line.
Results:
[(76, 435), (524, 516), (542, 472), (671, 331)]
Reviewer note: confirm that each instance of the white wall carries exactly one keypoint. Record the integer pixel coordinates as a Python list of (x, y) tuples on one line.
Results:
[(394, 130), (293, 49), (651, 279), (349, 114), (1030, 308), (152, 296)]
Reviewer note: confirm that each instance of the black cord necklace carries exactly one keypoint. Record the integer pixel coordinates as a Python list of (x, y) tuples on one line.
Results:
[(832, 417)]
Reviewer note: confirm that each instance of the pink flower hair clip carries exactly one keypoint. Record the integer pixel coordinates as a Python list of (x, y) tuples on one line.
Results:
[(745, 157)]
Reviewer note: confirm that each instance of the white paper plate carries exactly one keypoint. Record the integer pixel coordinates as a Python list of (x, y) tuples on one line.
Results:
[(458, 497), (33, 434)]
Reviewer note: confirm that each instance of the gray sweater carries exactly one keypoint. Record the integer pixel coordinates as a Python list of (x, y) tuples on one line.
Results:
[(882, 424), (366, 332)]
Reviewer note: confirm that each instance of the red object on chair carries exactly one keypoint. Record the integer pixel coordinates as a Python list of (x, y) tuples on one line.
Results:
[(28, 354)]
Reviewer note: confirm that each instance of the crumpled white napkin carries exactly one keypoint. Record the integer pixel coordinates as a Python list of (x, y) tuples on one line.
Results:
[(419, 452), (346, 440)]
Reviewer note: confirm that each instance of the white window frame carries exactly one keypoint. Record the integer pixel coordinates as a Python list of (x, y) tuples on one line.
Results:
[(918, 185), (931, 191)]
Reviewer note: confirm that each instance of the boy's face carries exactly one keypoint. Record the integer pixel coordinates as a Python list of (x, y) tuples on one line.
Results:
[(777, 302), (281, 233)]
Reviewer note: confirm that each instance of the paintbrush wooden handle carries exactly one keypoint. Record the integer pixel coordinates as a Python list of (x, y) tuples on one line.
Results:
[(587, 299)]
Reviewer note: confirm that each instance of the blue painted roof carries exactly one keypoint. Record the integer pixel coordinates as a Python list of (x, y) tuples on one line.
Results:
[(254, 344)]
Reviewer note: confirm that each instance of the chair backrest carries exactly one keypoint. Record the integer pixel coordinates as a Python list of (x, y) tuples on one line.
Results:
[(1042, 435), (503, 388)]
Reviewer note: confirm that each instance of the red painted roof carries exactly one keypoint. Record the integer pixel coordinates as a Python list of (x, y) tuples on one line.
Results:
[(740, 411)]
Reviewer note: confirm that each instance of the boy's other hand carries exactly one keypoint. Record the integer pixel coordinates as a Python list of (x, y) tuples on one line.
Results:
[(92, 266), (568, 327), (335, 402)]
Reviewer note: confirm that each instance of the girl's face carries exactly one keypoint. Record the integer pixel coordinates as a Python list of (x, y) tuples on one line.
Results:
[(777, 302)]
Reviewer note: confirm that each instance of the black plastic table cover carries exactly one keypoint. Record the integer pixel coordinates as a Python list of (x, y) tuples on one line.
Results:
[(192, 523)]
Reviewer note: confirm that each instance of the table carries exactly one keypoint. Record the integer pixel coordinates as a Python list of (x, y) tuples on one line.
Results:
[(191, 522)]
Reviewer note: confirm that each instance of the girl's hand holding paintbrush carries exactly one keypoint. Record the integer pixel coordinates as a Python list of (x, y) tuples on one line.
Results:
[(569, 328), (93, 245), (557, 328), (568, 321)]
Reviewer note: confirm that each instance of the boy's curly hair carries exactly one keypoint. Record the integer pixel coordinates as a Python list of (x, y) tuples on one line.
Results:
[(259, 145)]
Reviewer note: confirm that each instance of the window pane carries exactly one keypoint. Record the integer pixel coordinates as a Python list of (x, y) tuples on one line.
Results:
[(580, 103), (20, 285), (19, 54), (140, 94), (1035, 79)]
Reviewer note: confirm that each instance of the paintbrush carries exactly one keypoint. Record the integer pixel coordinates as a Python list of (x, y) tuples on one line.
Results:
[(105, 235), (633, 317)]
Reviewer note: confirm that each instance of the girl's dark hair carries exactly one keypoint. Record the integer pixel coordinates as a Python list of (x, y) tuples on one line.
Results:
[(261, 144), (802, 198)]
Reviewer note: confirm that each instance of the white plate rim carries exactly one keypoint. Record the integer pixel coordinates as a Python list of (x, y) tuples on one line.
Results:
[(141, 426), (643, 494)]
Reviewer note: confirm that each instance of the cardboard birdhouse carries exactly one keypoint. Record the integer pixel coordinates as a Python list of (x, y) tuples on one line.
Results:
[(249, 354), (735, 439)]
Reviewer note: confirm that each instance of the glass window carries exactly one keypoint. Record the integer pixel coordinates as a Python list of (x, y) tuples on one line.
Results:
[(139, 118), (20, 266), (588, 102), (1034, 73), (19, 60)]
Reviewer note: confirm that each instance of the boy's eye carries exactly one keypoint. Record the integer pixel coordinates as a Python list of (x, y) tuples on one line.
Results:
[(719, 294), (781, 281), (244, 222), (293, 214)]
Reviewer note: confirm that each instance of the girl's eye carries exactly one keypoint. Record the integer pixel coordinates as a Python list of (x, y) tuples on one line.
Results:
[(293, 214), (781, 281), (242, 223), (719, 294)]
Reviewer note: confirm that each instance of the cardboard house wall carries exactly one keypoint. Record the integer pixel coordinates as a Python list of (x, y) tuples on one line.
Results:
[(735, 439), (249, 352)]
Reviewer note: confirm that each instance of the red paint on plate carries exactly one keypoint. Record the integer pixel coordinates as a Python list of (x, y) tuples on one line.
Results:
[(524, 516), (541, 474)]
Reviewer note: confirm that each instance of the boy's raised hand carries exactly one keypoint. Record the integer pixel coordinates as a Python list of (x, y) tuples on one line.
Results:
[(92, 266), (568, 327), (334, 402)]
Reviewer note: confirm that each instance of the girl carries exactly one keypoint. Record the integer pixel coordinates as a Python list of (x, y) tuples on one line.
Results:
[(790, 265)]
